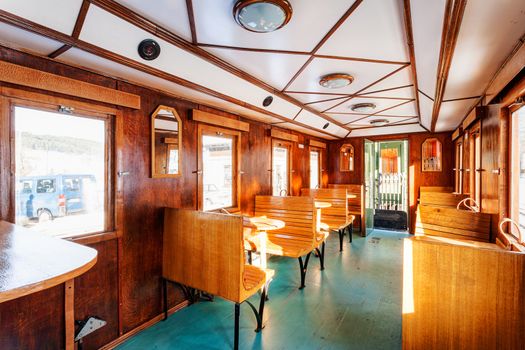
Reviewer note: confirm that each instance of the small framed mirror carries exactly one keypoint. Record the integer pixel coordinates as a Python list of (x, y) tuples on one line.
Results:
[(166, 142), (431, 155), (346, 157)]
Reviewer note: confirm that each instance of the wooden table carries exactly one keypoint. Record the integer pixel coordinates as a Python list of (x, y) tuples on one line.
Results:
[(31, 262), (261, 225), (320, 205)]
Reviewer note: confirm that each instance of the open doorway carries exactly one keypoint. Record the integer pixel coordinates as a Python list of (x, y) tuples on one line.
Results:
[(386, 185)]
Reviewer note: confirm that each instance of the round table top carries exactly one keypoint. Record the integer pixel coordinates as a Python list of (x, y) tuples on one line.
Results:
[(262, 223), (350, 196), (321, 205)]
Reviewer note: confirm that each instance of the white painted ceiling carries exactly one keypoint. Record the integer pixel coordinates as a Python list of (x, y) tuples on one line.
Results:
[(370, 44)]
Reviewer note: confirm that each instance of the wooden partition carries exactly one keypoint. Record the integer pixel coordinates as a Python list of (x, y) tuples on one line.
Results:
[(441, 199), (462, 295), (356, 206), (454, 223), (444, 189)]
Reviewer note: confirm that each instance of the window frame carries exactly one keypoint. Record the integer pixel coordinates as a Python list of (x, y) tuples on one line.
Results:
[(113, 127), (475, 160), (319, 166), (288, 145), (459, 151), (513, 139), (209, 130)]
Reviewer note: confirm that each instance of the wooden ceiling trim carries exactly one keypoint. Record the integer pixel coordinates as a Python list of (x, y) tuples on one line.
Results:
[(385, 90), (384, 126), (214, 119), (323, 40), (369, 60), (76, 30), (148, 26), (366, 87), (326, 100), (422, 93), (411, 51), (253, 49), (454, 11), (191, 21), (461, 99), (66, 39)]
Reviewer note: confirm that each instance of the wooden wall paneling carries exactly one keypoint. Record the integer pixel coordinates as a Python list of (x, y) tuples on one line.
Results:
[(504, 163), (300, 166), (335, 176), (6, 197), (217, 120), (283, 135), (490, 164)]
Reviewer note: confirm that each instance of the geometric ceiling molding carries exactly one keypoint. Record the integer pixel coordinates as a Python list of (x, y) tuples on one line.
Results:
[(479, 50), (405, 109), (169, 14), (400, 78), (405, 92), (364, 73), (59, 15), (452, 113), (312, 98), (26, 41), (307, 131), (310, 22), (273, 68), (308, 118), (375, 30), (381, 105), (387, 130), (365, 122), (426, 105)]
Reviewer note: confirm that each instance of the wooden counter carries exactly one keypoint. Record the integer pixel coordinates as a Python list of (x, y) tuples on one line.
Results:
[(31, 262)]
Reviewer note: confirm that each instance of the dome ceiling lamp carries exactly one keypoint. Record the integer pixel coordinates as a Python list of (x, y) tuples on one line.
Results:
[(262, 16), (336, 80), (363, 107), (379, 122)]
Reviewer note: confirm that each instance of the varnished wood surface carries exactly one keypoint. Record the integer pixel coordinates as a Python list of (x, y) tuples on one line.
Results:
[(356, 205), (444, 189), (217, 120), (462, 296), (442, 199), (336, 214), (31, 262)]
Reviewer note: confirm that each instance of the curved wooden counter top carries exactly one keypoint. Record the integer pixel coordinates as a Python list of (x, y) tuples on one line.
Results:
[(31, 262)]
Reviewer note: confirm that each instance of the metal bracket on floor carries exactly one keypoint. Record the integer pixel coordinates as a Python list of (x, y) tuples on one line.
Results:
[(86, 327)]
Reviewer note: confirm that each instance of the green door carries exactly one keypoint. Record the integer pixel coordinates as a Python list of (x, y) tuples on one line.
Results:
[(369, 176)]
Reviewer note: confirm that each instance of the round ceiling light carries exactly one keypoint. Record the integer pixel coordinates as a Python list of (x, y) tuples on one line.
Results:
[(262, 16), (267, 101), (363, 107), (149, 49), (379, 122), (336, 81)]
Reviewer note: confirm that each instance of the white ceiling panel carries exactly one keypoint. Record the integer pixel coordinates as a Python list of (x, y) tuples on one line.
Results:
[(97, 64), (408, 109), (427, 25), (401, 78), (169, 14), (375, 30), (323, 106), (272, 68), (125, 39), (317, 122), (59, 15), (347, 118), (452, 113), (309, 24), (365, 122), (388, 130), (381, 104), (309, 98), (20, 39), (305, 130), (406, 92), (488, 33), (426, 106), (364, 73)]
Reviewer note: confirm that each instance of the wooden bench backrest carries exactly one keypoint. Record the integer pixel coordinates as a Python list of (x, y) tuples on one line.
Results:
[(204, 251), (298, 214), (436, 189), (337, 214), (355, 205), (441, 199), (452, 223)]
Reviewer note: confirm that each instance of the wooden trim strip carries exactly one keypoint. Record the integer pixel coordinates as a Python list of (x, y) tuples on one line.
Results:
[(422, 93), (59, 51), (384, 90), (381, 111), (191, 20), (314, 143), (142, 23), (411, 50), (454, 11), (461, 99), (214, 119), (456, 134), (80, 19), (20, 75), (278, 134), (471, 118), (384, 126)]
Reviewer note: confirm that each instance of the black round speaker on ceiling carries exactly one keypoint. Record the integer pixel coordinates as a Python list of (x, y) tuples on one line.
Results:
[(149, 49), (326, 125), (267, 101)]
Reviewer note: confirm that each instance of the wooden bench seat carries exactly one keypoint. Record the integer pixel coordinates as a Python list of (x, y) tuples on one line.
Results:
[(453, 223), (337, 218), (205, 252), (299, 237), (441, 199), (356, 206)]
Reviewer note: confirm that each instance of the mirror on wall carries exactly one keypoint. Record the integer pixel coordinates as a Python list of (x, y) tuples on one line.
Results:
[(431, 155), (166, 142), (346, 157)]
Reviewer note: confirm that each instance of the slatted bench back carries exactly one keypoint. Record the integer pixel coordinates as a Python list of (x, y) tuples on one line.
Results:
[(297, 213), (453, 223), (337, 214), (204, 251), (443, 189), (441, 199), (355, 205)]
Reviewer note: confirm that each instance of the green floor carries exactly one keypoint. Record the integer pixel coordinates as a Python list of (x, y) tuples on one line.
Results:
[(354, 304)]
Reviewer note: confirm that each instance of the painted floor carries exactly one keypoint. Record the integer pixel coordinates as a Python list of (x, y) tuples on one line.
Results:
[(355, 303)]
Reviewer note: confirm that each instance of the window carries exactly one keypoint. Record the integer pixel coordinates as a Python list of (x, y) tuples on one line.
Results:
[(62, 172), (281, 160), (459, 168), (517, 168), (346, 157), (315, 168), (218, 180)]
